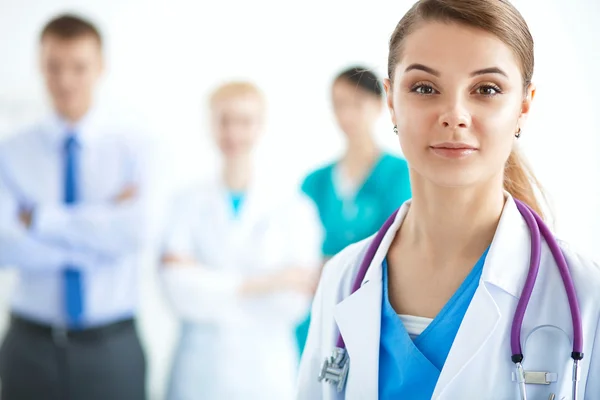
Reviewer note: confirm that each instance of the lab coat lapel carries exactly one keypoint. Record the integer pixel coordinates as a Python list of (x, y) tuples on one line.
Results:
[(358, 318), (222, 214), (253, 209), (215, 225), (479, 323), (505, 267)]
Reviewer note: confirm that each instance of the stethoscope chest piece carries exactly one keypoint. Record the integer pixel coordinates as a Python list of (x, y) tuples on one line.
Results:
[(335, 369)]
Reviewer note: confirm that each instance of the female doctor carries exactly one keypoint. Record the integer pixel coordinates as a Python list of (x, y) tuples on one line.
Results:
[(432, 317), (240, 262)]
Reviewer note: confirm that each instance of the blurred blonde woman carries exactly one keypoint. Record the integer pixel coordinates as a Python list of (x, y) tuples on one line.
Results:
[(239, 263)]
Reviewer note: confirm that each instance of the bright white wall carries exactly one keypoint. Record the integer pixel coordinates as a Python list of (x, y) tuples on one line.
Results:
[(164, 57)]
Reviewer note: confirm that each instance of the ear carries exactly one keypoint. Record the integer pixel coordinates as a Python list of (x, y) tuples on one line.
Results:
[(102, 68), (40, 60), (389, 98), (101, 61), (526, 105)]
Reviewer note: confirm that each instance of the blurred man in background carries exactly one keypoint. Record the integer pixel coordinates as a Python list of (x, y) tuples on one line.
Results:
[(73, 208)]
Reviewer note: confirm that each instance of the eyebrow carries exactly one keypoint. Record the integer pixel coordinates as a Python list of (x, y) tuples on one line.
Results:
[(491, 70), (421, 67), (429, 70)]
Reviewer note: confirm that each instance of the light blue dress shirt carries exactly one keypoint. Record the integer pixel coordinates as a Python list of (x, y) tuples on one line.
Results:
[(100, 237)]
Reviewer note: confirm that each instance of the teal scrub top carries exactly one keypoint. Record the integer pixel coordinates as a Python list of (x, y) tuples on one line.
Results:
[(382, 193), (409, 369)]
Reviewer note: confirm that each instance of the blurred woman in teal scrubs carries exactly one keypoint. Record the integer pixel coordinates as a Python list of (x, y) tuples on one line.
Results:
[(353, 194)]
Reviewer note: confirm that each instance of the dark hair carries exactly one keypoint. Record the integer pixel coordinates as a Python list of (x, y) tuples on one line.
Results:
[(502, 19), (362, 78), (69, 26)]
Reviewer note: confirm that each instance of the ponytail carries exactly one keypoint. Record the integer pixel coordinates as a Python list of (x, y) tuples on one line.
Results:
[(520, 182)]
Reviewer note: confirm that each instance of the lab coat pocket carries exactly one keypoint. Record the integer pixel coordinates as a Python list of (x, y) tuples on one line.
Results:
[(547, 362)]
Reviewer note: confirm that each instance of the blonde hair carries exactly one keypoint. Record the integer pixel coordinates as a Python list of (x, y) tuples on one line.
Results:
[(521, 183), (235, 89), (502, 19)]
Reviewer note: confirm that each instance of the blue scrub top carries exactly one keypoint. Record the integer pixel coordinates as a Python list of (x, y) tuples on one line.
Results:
[(382, 193), (410, 369)]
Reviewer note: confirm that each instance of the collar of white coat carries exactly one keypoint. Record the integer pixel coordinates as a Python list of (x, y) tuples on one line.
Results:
[(264, 196), (358, 315), (506, 263)]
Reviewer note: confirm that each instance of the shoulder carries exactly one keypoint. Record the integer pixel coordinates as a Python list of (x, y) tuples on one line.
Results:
[(17, 150), (21, 139), (392, 165), (133, 140), (392, 161), (321, 171), (193, 196), (296, 199), (585, 273), (393, 177), (316, 178)]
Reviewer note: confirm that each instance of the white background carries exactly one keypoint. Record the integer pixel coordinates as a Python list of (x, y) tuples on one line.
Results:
[(164, 57)]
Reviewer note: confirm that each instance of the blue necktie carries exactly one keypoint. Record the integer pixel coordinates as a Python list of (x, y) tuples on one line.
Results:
[(72, 276)]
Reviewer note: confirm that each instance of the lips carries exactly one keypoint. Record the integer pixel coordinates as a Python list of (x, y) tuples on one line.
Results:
[(453, 150)]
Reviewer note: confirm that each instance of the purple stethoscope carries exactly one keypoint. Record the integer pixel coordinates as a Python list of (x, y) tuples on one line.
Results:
[(335, 368)]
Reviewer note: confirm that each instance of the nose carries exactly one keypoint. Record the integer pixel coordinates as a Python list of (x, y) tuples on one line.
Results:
[(65, 81), (455, 116)]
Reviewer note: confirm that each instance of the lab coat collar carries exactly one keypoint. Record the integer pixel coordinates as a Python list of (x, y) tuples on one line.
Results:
[(507, 261), (259, 198)]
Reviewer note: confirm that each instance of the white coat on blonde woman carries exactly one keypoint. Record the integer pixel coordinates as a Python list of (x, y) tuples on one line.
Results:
[(234, 346)]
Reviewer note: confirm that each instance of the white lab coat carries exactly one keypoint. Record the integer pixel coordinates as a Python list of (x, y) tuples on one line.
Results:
[(479, 364), (231, 347)]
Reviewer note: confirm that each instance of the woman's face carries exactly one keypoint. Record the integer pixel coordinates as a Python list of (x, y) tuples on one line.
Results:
[(356, 109), (237, 124), (458, 100)]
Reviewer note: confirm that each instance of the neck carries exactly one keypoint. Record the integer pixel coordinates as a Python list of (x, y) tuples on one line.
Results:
[(74, 116), (452, 223), (360, 155), (237, 172)]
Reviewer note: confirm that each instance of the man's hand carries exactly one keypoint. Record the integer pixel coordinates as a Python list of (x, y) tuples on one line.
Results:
[(176, 261), (26, 217)]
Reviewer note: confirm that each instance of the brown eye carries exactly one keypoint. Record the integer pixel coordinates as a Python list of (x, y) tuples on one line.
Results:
[(488, 90), (423, 89)]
